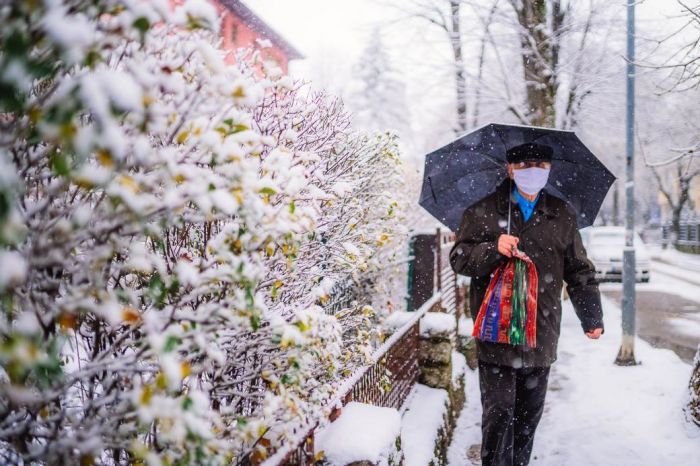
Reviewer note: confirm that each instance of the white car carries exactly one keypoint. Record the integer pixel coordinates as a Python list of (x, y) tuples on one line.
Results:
[(605, 246)]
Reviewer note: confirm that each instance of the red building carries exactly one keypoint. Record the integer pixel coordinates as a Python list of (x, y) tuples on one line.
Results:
[(241, 29)]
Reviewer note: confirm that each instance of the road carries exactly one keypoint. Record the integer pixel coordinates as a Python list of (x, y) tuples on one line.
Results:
[(668, 308)]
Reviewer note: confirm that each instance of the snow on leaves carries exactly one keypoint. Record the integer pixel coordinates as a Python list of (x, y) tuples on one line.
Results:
[(170, 227)]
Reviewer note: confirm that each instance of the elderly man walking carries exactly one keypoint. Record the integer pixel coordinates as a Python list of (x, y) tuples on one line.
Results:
[(513, 378)]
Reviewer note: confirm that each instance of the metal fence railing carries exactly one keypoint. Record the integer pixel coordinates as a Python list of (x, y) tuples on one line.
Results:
[(394, 370), (687, 238), (386, 382)]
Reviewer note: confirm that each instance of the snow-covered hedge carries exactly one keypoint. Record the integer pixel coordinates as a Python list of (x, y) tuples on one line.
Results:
[(361, 204), (160, 222)]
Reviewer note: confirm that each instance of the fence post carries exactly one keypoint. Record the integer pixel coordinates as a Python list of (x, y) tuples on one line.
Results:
[(423, 280), (438, 254), (411, 270)]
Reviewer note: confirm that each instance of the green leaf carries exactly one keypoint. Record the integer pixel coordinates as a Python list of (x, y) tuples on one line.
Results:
[(142, 24), (158, 290), (59, 163), (40, 68), (171, 343), (92, 58), (249, 297), (238, 128), (255, 321), (268, 190), (17, 44)]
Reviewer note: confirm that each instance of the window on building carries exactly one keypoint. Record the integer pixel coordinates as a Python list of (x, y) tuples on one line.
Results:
[(234, 33)]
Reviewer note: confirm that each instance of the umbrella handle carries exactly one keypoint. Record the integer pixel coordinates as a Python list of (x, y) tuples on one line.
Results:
[(510, 193)]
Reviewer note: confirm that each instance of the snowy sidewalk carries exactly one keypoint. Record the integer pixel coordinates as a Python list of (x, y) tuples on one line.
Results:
[(599, 414)]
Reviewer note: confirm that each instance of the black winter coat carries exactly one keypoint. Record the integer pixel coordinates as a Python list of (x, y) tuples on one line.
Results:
[(552, 240)]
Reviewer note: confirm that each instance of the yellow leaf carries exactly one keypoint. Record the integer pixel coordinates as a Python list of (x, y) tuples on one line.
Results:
[(237, 193), (237, 246), (129, 182), (130, 315), (146, 395), (161, 381), (185, 369), (68, 321), (238, 92), (104, 158), (182, 137), (34, 114)]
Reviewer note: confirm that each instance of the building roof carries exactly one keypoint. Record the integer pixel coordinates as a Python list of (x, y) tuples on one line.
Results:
[(259, 25)]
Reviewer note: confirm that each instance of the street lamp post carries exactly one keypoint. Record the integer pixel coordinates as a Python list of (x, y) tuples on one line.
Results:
[(625, 357)]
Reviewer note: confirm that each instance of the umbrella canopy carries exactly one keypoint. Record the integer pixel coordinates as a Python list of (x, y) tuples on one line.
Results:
[(470, 168)]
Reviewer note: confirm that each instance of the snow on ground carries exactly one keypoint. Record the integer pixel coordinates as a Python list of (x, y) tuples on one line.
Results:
[(690, 276), (599, 414), (437, 323), (663, 282), (372, 429), (672, 256), (689, 326), (465, 326), (420, 424), (459, 366)]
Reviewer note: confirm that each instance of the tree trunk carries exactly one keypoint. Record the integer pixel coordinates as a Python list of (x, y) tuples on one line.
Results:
[(460, 78), (539, 41)]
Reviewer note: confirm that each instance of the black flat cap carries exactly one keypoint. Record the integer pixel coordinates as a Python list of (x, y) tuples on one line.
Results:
[(529, 151)]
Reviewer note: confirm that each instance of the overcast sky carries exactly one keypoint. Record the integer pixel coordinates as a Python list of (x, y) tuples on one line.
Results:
[(331, 34), (335, 31)]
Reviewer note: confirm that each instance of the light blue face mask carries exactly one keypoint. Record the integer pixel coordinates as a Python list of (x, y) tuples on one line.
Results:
[(531, 180)]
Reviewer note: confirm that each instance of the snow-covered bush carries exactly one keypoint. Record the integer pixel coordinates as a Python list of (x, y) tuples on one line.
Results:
[(693, 408), (360, 233), (136, 225), (170, 228)]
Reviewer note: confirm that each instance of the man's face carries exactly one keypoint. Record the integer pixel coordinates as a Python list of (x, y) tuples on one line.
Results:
[(527, 164)]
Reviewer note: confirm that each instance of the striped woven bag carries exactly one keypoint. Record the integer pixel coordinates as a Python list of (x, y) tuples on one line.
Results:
[(508, 313)]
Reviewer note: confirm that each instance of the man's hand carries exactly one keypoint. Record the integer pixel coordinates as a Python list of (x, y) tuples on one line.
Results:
[(594, 334), (506, 244)]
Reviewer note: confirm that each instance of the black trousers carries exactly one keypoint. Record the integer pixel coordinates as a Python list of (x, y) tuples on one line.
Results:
[(513, 402)]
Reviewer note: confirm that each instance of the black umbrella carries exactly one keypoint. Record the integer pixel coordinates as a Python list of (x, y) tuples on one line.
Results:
[(471, 167)]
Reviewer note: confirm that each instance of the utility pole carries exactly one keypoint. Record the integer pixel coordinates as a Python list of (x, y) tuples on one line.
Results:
[(625, 357)]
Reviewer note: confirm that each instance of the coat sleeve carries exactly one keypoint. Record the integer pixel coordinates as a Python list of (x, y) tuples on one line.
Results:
[(472, 254), (579, 274)]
